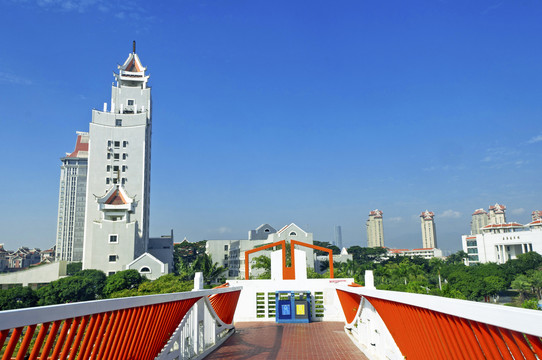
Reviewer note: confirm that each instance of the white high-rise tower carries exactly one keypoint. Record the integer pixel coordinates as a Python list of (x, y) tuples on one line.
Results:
[(375, 229), (429, 234), (118, 196), (71, 202)]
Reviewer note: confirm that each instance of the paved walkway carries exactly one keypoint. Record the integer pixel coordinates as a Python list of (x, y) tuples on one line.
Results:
[(269, 340)]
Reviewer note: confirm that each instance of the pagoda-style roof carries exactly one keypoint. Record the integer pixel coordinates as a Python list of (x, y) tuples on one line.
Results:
[(116, 198), (81, 146), (132, 71)]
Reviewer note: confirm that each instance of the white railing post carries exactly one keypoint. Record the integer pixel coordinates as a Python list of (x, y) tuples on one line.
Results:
[(369, 279), (198, 281)]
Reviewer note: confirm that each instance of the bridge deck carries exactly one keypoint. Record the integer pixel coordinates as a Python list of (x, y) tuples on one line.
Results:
[(269, 340)]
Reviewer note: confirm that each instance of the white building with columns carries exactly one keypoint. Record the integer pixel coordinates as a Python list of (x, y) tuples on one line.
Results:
[(499, 241)]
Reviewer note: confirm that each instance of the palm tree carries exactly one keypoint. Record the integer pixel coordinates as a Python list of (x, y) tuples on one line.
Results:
[(522, 284), (211, 271)]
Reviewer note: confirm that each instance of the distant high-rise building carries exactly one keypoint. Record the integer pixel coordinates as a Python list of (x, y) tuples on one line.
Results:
[(479, 220), (429, 234), (118, 189), (71, 202), (497, 214), (375, 229), (338, 237), (536, 215)]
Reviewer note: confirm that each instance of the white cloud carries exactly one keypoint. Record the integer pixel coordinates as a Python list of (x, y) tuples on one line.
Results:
[(69, 5), (394, 219), (535, 139), (13, 79), (451, 214), (518, 211), (224, 230)]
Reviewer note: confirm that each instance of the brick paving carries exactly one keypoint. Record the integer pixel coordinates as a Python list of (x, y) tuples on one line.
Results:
[(269, 340)]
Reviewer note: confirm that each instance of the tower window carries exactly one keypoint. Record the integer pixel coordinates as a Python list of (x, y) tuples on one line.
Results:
[(108, 155), (130, 102), (116, 168), (109, 143), (112, 258), (108, 167), (113, 238), (107, 181), (117, 144), (145, 269), (115, 180), (124, 143), (124, 168), (118, 122), (124, 156), (116, 156), (123, 181), (293, 233)]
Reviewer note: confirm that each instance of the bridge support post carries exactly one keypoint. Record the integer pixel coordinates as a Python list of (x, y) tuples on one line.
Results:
[(369, 279)]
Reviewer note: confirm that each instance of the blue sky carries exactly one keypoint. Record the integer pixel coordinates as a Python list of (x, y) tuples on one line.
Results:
[(313, 112)]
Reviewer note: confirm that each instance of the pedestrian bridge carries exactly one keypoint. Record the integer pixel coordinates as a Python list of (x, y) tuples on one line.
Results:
[(349, 322)]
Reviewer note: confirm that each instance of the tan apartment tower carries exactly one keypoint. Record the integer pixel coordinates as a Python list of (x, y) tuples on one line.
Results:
[(497, 214), (429, 234), (375, 229), (479, 220)]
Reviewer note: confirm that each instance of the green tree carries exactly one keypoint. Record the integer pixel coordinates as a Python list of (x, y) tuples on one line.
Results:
[(535, 278), (17, 298), (185, 253), (263, 262), (127, 279), (457, 258), (211, 271), (530, 304), (522, 284), (73, 268), (67, 290), (494, 285), (335, 250), (96, 277), (362, 255), (165, 284)]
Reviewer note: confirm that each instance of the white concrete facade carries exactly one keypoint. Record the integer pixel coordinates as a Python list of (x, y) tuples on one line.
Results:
[(34, 276), (257, 300), (375, 229), (118, 186)]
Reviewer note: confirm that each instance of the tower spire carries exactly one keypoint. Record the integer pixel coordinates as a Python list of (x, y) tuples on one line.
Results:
[(133, 46)]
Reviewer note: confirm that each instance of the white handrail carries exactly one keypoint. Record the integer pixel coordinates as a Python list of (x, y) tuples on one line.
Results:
[(10, 319), (521, 320)]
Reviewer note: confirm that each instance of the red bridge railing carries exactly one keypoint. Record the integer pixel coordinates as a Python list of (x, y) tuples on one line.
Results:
[(431, 327), (127, 328)]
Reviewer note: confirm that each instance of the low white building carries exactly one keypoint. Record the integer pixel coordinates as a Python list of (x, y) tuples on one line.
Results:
[(231, 253), (426, 253), (499, 243)]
